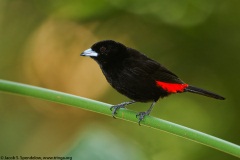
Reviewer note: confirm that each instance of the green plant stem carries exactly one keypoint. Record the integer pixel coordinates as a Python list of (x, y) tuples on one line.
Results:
[(125, 114)]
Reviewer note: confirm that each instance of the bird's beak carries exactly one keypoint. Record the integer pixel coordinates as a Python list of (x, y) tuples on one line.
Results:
[(90, 53)]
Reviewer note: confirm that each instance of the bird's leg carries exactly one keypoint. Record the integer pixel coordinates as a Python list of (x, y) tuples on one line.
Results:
[(141, 115), (118, 106)]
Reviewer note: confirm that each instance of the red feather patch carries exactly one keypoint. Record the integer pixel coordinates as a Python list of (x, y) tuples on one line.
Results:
[(172, 87)]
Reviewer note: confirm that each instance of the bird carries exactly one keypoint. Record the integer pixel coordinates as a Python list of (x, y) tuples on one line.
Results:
[(137, 76)]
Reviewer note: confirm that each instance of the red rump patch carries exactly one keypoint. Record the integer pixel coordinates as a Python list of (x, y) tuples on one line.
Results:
[(172, 87)]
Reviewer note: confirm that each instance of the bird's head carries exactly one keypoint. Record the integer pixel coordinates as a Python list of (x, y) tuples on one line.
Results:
[(106, 51)]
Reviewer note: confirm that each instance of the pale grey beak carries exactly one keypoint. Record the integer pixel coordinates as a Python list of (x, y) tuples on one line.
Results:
[(90, 53)]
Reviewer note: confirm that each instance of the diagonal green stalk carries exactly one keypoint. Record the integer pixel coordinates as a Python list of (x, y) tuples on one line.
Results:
[(103, 108)]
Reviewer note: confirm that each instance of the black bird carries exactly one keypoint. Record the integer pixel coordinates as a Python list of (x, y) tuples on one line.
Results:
[(136, 76)]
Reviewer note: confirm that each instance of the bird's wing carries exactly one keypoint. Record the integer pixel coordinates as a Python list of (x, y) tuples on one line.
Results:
[(164, 75), (153, 70)]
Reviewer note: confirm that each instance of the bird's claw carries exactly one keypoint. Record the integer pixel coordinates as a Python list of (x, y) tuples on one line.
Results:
[(115, 108), (141, 116)]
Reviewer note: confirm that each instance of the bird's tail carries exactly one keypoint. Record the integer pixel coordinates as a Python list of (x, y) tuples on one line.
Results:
[(200, 91)]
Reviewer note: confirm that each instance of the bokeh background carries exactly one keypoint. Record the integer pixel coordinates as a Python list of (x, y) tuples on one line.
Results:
[(40, 43)]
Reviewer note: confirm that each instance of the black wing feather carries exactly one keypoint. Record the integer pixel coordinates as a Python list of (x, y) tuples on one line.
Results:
[(141, 64)]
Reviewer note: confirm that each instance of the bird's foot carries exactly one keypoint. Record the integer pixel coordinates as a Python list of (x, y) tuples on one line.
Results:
[(115, 108), (118, 106), (141, 116)]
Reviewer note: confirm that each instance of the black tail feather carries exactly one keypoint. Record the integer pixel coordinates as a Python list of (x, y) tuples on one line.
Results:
[(200, 91)]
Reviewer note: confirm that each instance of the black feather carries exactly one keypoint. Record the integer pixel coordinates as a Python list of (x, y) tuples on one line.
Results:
[(203, 92)]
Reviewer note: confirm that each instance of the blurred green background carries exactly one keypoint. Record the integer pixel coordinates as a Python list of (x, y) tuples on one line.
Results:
[(40, 43)]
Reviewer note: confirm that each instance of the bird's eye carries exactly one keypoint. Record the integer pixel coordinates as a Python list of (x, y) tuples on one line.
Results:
[(103, 49)]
